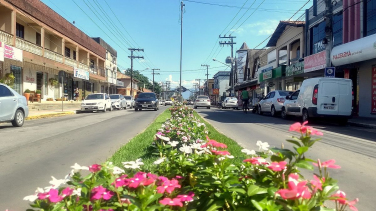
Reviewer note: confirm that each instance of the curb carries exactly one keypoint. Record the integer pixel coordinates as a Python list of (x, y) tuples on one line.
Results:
[(361, 125), (49, 115)]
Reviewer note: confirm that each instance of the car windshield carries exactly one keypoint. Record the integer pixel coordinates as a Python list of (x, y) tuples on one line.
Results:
[(114, 96), (202, 97), (146, 95), (94, 97), (232, 98), (127, 97), (284, 93)]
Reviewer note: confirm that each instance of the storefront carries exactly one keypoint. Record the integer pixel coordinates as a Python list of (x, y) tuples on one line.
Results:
[(294, 76), (357, 61), (79, 78), (271, 79), (13, 63), (315, 64)]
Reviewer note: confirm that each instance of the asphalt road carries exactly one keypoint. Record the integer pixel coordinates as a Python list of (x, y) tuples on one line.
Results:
[(353, 148), (30, 155)]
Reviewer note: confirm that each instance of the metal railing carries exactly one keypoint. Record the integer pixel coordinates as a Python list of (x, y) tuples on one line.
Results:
[(83, 66), (28, 46), (53, 55), (70, 62), (6, 37)]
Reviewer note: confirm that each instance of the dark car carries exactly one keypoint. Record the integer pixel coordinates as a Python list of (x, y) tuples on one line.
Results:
[(146, 100)]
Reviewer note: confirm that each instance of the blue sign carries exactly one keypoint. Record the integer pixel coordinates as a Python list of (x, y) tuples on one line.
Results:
[(330, 72)]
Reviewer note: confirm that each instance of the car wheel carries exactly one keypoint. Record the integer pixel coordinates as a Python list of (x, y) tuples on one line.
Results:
[(284, 113), (155, 109), (259, 110), (273, 112), (19, 119), (305, 116), (208, 107), (135, 109), (195, 107), (111, 108)]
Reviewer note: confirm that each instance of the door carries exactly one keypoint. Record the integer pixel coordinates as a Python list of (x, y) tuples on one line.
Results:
[(269, 102), (8, 104), (328, 97), (17, 72), (263, 102), (292, 105)]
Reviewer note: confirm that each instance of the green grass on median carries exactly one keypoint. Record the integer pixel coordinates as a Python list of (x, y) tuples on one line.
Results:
[(138, 147)]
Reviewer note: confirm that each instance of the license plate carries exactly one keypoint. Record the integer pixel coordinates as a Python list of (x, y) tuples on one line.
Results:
[(144, 105), (329, 107)]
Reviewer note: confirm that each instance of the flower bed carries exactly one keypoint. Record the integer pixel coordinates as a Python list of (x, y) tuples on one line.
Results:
[(194, 172)]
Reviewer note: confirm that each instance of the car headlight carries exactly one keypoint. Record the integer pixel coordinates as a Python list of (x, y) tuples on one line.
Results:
[(82, 104), (153, 102)]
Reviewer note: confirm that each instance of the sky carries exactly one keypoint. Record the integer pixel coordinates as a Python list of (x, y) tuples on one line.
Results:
[(155, 25)]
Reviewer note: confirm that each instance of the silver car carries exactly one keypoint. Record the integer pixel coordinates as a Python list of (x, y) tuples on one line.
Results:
[(13, 106), (118, 101), (130, 101), (202, 101), (273, 102)]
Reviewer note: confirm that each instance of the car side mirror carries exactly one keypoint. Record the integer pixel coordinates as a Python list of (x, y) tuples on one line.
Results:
[(287, 97)]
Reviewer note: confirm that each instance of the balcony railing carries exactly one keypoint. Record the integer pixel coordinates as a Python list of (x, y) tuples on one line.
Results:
[(6, 37), (70, 62), (93, 70), (83, 66), (28, 46), (53, 56)]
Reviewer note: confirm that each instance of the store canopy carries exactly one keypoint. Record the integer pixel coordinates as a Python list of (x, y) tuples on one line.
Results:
[(280, 29)]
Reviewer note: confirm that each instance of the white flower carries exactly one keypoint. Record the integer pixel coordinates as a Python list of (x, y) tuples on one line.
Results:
[(186, 149), (263, 145), (224, 157), (58, 182), (159, 161), (195, 146), (117, 170), (185, 139), (39, 190), (133, 164), (48, 188), (174, 143), (163, 137), (31, 198), (77, 192), (77, 167), (248, 152)]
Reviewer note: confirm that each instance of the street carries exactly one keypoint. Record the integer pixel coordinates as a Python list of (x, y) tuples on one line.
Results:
[(30, 155), (353, 148)]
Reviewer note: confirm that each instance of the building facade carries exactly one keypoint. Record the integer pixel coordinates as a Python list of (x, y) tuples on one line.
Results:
[(221, 82), (126, 89), (38, 44)]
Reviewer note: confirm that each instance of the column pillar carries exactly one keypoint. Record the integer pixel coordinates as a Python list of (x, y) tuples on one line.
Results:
[(302, 47), (63, 49), (97, 64), (88, 59), (77, 56), (288, 54), (277, 58), (42, 40), (13, 22)]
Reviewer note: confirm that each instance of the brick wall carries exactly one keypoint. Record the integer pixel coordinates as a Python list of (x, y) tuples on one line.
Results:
[(43, 13)]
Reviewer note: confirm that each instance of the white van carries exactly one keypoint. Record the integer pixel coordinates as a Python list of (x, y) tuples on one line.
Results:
[(321, 97)]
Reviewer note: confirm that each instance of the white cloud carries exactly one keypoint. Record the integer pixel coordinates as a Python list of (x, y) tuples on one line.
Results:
[(260, 28), (186, 83)]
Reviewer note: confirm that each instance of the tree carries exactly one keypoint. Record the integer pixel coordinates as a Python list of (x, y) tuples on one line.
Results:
[(118, 70), (143, 80)]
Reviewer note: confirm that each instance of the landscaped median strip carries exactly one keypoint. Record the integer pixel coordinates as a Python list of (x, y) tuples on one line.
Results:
[(42, 116)]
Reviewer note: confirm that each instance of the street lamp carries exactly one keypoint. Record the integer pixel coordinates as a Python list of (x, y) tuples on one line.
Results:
[(221, 62)]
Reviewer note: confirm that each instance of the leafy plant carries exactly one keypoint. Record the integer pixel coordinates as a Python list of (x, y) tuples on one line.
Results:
[(38, 92), (27, 91), (53, 81), (8, 79)]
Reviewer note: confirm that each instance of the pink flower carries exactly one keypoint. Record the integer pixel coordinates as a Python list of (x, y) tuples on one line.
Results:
[(296, 189), (97, 192), (54, 196), (119, 182), (188, 197), (301, 128), (42, 196), (277, 166), (168, 186), (67, 191), (220, 152), (125, 201), (328, 164), (256, 160), (340, 197), (214, 143), (107, 195), (95, 168), (352, 203), (316, 183), (141, 178), (179, 177), (171, 202)]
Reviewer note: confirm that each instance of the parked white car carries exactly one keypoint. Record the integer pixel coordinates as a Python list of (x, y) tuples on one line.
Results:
[(202, 101), (130, 101), (273, 102), (168, 102), (230, 102), (118, 101), (97, 102), (321, 97), (13, 106)]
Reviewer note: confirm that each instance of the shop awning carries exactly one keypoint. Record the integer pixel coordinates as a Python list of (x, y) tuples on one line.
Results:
[(246, 85)]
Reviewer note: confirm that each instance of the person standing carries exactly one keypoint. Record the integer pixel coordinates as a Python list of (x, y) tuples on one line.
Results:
[(245, 98)]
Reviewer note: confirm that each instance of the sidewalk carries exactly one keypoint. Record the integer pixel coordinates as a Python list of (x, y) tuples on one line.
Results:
[(367, 122), (39, 114), (52, 109)]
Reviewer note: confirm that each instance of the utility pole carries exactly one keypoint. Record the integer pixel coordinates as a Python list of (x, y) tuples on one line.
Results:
[(207, 77), (232, 43), (153, 76), (199, 85), (328, 30), (134, 57), (181, 46)]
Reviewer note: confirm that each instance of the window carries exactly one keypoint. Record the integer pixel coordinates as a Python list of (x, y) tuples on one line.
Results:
[(5, 92), (295, 95), (89, 86), (94, 97), (370, 17), (91, 63), (318, 34), (74, 55), (298, 52), (67, 52), (337, 29), (20, 31), (272, 94), (38, 39)]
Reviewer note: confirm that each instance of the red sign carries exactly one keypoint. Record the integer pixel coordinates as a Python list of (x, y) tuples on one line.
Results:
[(215, 91), (347, 74), (373, 100), (315, 62)]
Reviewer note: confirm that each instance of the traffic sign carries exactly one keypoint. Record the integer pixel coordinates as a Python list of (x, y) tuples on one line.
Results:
[(330, 72)]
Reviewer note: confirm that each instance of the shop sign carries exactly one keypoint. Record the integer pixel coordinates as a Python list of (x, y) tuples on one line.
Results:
[(315, 62), (355, 51), (1, 52), (267, 73), (330, 72), (215, 91), (240, 64), (119, 83), (83, 74), (29, 77), (295, 69), (13, 53), (373, 100)]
